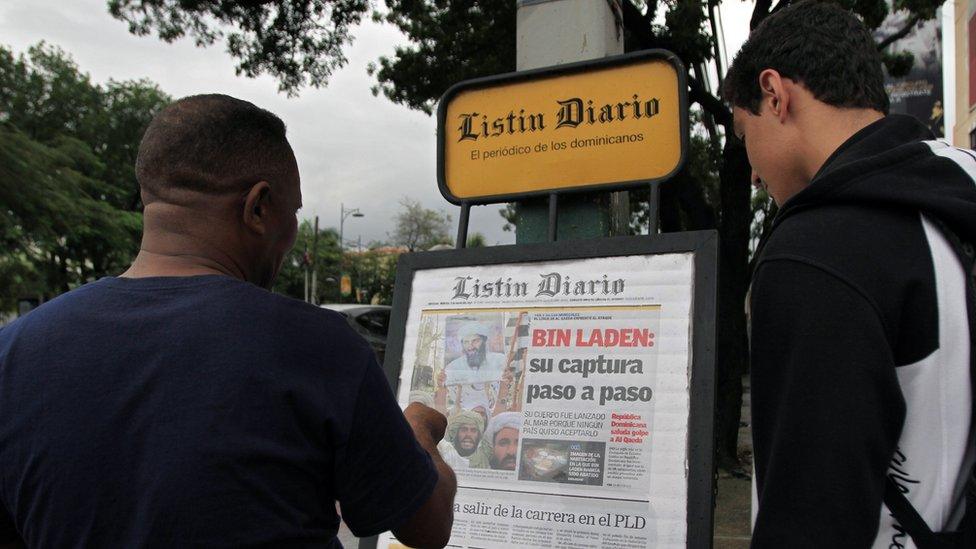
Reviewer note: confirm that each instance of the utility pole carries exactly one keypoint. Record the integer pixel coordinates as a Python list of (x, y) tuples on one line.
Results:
[(315, 249), (305, 263), (555, 32), (359, 271)]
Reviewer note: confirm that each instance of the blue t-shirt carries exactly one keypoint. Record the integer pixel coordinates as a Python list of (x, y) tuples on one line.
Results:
[(197, 411)]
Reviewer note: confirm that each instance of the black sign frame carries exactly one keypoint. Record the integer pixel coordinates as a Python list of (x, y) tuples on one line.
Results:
[(704, 246), (561, 70)]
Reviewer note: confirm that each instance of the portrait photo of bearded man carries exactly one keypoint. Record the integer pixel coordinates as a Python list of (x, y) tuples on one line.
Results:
[(474, 377)]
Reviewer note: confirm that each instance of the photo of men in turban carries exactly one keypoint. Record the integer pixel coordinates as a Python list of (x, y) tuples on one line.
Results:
[(464, 432), (499, 445), (462, 438)]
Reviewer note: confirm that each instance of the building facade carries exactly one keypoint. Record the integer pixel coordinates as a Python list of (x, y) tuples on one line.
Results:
[(964, 129)]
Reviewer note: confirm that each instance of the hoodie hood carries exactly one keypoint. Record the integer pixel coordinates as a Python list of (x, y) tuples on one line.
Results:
[(895, 161)]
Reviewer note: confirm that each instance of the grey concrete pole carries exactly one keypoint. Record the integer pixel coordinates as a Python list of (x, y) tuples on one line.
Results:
[(555, 32)]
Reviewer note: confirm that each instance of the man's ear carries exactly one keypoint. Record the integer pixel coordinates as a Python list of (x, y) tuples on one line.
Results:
[(256, 207), (775, 93)]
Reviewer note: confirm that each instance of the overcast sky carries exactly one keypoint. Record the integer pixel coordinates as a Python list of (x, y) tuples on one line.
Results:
[(352, 148)]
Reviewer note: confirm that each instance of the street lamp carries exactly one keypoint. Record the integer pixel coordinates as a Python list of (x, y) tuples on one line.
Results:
[(343, 214)]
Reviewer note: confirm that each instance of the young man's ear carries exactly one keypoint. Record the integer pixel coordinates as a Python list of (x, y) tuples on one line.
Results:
[(775, 93), (256, 207)]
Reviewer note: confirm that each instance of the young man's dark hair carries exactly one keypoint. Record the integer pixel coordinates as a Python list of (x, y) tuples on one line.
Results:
[(860, 342), (210, 144), (815, 43)]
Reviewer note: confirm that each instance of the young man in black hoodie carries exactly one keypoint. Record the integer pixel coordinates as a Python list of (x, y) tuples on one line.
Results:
[(860, 308)]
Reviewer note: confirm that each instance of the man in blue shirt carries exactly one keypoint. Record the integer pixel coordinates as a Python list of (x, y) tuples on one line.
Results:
[(182, 403)]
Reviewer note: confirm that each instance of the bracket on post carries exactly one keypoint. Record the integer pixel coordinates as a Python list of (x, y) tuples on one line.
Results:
[(654, 208), (553, 216), (462, 234)]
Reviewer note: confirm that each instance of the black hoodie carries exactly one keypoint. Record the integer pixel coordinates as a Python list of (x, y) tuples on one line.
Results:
[(861, 343)]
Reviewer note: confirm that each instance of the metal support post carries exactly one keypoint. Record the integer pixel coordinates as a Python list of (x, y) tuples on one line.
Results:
[(462, 234), (555, 32)]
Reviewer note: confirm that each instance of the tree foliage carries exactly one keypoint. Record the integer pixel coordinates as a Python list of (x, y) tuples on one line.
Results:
[(326, 255), (298, 42), (418, 228), (372, 272), (449, 42), (69, 207), (476, 240)]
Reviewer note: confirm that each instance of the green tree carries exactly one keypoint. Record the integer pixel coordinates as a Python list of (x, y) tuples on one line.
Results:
[(452, 40), (373, 273), (298, 42), (418, 228), (476, 240), (326, 254), (69, 210)]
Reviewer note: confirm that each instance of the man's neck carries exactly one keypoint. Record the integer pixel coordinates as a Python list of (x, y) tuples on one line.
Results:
[(173, 247), (148, 263), (830, 128)]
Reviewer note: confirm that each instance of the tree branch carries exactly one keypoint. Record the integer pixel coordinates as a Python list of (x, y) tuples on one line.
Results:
[(713, 105), (762, 11), (638, 25), (759, 12), (640, 28), (909, 26)]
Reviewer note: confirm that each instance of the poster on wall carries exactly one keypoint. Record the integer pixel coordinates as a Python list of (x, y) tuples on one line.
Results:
[(919, 93), (577, 382)]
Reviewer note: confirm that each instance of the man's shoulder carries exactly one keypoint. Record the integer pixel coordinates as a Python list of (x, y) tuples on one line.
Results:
[(881, 253), (840, 235), (298, 320), (229, 306), (62, 308)]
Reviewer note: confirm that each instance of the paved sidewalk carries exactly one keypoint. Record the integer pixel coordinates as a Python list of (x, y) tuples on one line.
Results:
[(733, 505)]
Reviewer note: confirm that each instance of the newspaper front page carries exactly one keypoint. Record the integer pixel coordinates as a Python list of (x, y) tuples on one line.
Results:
[(566, 387)]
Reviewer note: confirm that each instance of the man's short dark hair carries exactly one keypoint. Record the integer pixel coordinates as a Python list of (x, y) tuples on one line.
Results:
[(818, 44), (212, 144)]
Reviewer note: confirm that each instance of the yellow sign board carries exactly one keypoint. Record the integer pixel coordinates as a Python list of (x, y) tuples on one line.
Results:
[(609, 124)]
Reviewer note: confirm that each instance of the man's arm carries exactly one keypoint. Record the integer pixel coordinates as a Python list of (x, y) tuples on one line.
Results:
[(431, 525), (388, 473), (827, 409)]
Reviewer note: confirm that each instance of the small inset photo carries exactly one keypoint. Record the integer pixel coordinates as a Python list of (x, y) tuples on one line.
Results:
[(562, 461)]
